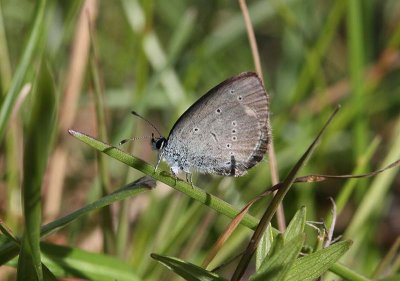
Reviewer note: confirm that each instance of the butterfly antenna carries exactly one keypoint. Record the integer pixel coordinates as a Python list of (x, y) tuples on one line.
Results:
[(148, 122), (133, 139)]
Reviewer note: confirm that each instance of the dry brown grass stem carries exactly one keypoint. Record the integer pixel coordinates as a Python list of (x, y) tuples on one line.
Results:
[(273, 165), (69, 105)]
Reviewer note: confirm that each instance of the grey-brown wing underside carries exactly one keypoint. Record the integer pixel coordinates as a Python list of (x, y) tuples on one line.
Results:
[(226, 131)]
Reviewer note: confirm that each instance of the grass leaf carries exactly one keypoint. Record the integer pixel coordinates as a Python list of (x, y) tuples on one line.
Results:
[(314, 265), (296, 225), (264, 246), (39, 141), (187, 270), (277, 265), (67, 261), (9, 250)]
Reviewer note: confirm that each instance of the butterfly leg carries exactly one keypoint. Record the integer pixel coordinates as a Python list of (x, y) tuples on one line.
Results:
[(174, 175), (160, 156), (156, 167), (189, 179)]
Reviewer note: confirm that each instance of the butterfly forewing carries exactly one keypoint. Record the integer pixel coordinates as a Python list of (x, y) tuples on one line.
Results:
[(226, 131)]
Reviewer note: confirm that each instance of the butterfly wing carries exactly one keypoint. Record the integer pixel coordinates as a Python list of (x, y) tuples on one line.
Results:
[(226, 132)]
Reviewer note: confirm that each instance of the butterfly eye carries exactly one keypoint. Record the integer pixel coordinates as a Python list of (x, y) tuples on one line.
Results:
[(160, 143)]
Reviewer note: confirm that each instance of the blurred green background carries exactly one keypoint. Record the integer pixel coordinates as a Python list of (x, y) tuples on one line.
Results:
[(157, 58)]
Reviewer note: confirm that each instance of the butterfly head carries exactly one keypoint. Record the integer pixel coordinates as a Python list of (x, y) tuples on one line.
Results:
[(158, 143)]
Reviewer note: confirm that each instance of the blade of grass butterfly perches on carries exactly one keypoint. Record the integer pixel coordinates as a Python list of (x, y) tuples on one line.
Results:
[(197, 194)]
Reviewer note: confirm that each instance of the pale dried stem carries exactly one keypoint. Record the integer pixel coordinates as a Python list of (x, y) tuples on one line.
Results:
[(273, 166), (68, 110)]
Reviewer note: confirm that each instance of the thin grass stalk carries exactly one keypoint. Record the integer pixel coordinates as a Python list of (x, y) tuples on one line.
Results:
[(356, 68)]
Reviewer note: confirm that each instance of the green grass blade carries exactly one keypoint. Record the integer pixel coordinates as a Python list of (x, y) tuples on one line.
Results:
[(296, 225), (276, 266), (47, 274), (9, 250), (356, 67), (187, 270), (39, 141), (264, 246), (347, 273), (314, 265), (73, 262), (7, 232), (23, 66), (132, 189)]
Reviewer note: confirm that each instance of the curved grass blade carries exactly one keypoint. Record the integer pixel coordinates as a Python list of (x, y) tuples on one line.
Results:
[(47, 274), (314, 265), (187, 270), (8, 232), (39, 141), (10, 250), (276, 266), (296, 225), (66, 261), (264, 246)]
